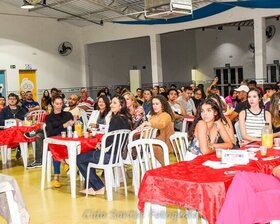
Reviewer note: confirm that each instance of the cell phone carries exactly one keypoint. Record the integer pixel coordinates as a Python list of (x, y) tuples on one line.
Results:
[(231, 172)]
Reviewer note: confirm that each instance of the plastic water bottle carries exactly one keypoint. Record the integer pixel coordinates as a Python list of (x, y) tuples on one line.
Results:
[(69, 131), (267, 136)]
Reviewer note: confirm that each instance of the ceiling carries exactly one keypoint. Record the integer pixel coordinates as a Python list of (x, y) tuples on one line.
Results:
[(85, 12)]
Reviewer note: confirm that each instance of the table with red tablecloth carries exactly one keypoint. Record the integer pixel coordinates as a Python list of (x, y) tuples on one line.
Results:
[(60, 152), (192, 185), (14, 135)]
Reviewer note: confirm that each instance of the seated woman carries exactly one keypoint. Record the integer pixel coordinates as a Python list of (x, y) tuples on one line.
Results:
[(275, 116), (102, 115), (207, 128), (162, 118), (137, 112), (121, 119), (253, 120), (225, 120), (252, 198)]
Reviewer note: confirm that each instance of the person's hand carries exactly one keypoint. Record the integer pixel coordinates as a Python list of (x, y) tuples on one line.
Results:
[(215, 81), (98, 146), (92, 125), (276, 171)]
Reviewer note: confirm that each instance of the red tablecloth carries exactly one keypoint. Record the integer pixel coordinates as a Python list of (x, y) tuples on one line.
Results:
[(191, 185), (59, 152), (13, 135)]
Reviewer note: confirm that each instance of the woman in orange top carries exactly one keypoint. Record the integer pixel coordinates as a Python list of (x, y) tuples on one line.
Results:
[(162, 118)]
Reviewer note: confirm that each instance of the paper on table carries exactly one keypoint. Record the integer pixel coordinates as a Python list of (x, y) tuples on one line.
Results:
[(253, 149), (216, 164)]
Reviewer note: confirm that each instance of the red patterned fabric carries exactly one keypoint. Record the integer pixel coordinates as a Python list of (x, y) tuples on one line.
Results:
[(14, 135), (59, 152), (191, 185)]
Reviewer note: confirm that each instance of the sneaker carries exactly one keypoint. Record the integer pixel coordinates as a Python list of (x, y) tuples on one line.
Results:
[(30, 135), (65, 167), (18, 153), (34, 165), (56, 184)]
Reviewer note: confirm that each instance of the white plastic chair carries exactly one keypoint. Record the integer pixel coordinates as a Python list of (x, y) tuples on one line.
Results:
[(179, 142), (38, 115), (146, 133), (146, 161), (119, 142), (83, 115), (237, 130)]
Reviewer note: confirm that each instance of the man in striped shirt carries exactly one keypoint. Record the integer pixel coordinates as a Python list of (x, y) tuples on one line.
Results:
[(86, 102)]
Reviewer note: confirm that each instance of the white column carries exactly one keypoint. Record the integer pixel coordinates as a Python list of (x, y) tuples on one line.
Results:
[(260, 49), (156, 59)]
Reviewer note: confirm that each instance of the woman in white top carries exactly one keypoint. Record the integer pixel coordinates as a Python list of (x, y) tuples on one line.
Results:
[(253, 120), (102, 115)]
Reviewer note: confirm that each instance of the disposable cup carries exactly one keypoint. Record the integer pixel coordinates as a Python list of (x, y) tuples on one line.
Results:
[(263, 150), (219, 153), (63, 134)]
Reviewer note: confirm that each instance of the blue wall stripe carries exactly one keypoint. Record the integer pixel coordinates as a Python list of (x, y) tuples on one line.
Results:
[(208, 10)]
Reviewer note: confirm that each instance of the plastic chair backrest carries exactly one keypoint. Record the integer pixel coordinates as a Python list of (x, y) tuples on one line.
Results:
[(179, 142), (118, 141), (38, 115), (237, 130), (83, 115), (145, 154), (147, 132)]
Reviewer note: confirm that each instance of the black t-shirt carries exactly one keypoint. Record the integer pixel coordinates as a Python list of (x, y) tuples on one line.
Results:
[(241, 106), (55, 122)]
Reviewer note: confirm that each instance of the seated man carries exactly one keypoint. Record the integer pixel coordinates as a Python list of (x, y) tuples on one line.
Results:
[(86, 102), (29, 103), (12, 111)]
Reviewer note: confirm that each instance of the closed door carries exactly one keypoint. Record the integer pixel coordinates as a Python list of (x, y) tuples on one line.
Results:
[(2, 83)]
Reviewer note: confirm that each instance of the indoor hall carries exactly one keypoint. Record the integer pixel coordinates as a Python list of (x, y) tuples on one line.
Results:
[(110, 42)]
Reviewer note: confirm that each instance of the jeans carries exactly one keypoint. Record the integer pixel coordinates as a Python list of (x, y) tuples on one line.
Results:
[(91, 157), (39, 151)]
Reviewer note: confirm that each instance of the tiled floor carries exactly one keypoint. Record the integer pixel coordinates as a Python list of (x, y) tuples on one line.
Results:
[(56, 205)]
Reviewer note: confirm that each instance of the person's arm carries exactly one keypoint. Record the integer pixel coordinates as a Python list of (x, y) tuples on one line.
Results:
[(233, 116), (183, 110), (230, 130), (160, 122), (34, 108), (276, 171), (243, 131), (227, 144), (268, 118), (201, 136)]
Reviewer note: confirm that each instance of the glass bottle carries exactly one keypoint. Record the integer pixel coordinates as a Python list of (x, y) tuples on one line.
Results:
[(267, 136), (79, 128)]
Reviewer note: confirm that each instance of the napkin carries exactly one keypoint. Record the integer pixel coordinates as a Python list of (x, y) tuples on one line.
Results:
[(216, 164)]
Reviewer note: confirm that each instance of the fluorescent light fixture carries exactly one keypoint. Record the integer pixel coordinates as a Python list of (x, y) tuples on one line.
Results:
[(27, 5)]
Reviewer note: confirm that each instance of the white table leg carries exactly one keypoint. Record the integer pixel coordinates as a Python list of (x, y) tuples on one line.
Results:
[(44, 164), (147, 209), (24, 152), (72, 155), (158, 214), (4, 153)]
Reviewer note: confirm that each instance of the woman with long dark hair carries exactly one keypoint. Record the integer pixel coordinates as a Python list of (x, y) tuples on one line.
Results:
[(225, 120), (253, 119), (121, 119), (44, 100), (162, 118), (102, 115), (207, 128), (275, 113)]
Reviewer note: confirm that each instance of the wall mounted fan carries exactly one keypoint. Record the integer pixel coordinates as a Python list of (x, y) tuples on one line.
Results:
[(65, 48)]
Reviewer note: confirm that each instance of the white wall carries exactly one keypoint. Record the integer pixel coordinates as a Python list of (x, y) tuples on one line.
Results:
[(178, 55), (29, 40), (109, 62)]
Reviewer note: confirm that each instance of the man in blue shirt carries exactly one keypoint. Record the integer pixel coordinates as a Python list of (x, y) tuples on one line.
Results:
[(29, 103)]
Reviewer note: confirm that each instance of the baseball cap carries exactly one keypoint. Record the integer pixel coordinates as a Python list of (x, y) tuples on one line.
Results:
[(242, 88)]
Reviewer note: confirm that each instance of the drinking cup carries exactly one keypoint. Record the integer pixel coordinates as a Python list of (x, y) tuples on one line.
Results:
[(276, 142), (63, 134), (219, 153), (263, 150), (86, 134)]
